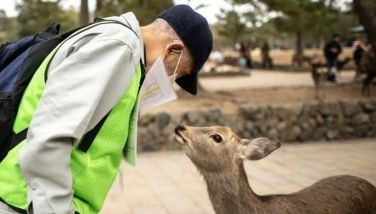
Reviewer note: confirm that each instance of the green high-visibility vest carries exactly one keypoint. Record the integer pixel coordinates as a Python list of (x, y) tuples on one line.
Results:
[(93, 171)]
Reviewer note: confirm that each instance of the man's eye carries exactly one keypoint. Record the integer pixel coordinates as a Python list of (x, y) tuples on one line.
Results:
[(217, 138)]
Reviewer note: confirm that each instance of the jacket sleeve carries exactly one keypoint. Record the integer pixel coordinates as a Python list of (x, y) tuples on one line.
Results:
[(78, 93)]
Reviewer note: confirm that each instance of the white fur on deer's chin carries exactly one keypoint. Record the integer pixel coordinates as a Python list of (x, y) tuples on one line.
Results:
[(179, 139)]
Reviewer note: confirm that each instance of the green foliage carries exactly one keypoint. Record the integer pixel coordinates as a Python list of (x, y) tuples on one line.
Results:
[(267, 32), (315, 20), (36, 15), (7, 30), (230, 27), (145, 10)]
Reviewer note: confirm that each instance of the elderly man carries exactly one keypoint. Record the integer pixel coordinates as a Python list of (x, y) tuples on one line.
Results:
[(80, 109)]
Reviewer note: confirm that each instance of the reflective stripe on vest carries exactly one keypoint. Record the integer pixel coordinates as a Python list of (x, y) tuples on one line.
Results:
[(94, 171)]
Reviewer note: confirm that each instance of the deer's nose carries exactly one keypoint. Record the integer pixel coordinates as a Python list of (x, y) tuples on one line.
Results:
[(179, 128)]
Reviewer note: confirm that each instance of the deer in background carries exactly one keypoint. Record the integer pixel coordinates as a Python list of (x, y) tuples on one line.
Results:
[(219, 154), (296, 58), (319, 71), (368, 64)]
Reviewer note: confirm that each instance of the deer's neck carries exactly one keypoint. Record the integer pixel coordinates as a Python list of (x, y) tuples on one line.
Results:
[(230, 192)]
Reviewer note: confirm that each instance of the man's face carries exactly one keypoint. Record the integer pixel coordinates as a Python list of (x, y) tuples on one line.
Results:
[(337, 38)]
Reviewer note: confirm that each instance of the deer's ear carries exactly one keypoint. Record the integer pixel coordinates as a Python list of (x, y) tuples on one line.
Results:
[(257, 148)]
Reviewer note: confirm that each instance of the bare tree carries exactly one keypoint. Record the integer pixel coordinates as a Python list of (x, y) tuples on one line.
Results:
[(366, 11), (84, 12)]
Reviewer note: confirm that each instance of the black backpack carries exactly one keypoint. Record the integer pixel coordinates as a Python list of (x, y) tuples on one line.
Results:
[(18, 63)]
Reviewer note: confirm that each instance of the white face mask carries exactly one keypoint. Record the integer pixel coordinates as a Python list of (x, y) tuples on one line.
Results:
[(174, 75), (157, 87)]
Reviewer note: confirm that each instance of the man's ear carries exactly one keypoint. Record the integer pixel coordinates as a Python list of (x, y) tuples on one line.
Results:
[(257, 148), (176, 46)]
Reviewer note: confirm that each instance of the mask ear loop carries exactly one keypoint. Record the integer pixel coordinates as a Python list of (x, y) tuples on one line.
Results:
[(177, 65)]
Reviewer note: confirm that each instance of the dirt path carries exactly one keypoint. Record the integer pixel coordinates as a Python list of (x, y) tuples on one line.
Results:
[(228, 101), (266, 79), (263, 88)]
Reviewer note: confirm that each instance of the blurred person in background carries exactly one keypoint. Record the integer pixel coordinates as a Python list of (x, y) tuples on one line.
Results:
[(217, 57), (244, 53), (266, 59), (359, 48), (332, 50)]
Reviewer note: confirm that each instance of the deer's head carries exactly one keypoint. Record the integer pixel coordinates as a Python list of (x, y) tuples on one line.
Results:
[(217, 149)]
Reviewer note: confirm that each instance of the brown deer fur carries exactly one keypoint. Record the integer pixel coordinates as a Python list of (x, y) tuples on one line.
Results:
[(219, 154), (319, 71), (368, 63)]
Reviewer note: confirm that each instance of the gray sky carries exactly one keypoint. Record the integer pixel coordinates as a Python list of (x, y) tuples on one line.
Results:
[(208, 12)]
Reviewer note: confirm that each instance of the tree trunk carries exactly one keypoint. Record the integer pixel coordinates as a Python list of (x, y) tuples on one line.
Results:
[(299, 47), (145, 4), (322, 43), (366, 11), (98, 8), (84, 12), (330, 5)]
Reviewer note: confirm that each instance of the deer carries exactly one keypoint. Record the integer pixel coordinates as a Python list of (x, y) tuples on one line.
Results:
[(368, 64), (319, 71), (296, 58), (219, 154)]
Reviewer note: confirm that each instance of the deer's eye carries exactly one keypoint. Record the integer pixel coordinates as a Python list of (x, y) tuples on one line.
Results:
[(217, 138)]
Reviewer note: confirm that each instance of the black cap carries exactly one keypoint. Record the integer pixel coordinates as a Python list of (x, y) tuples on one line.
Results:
[(194, 31)]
